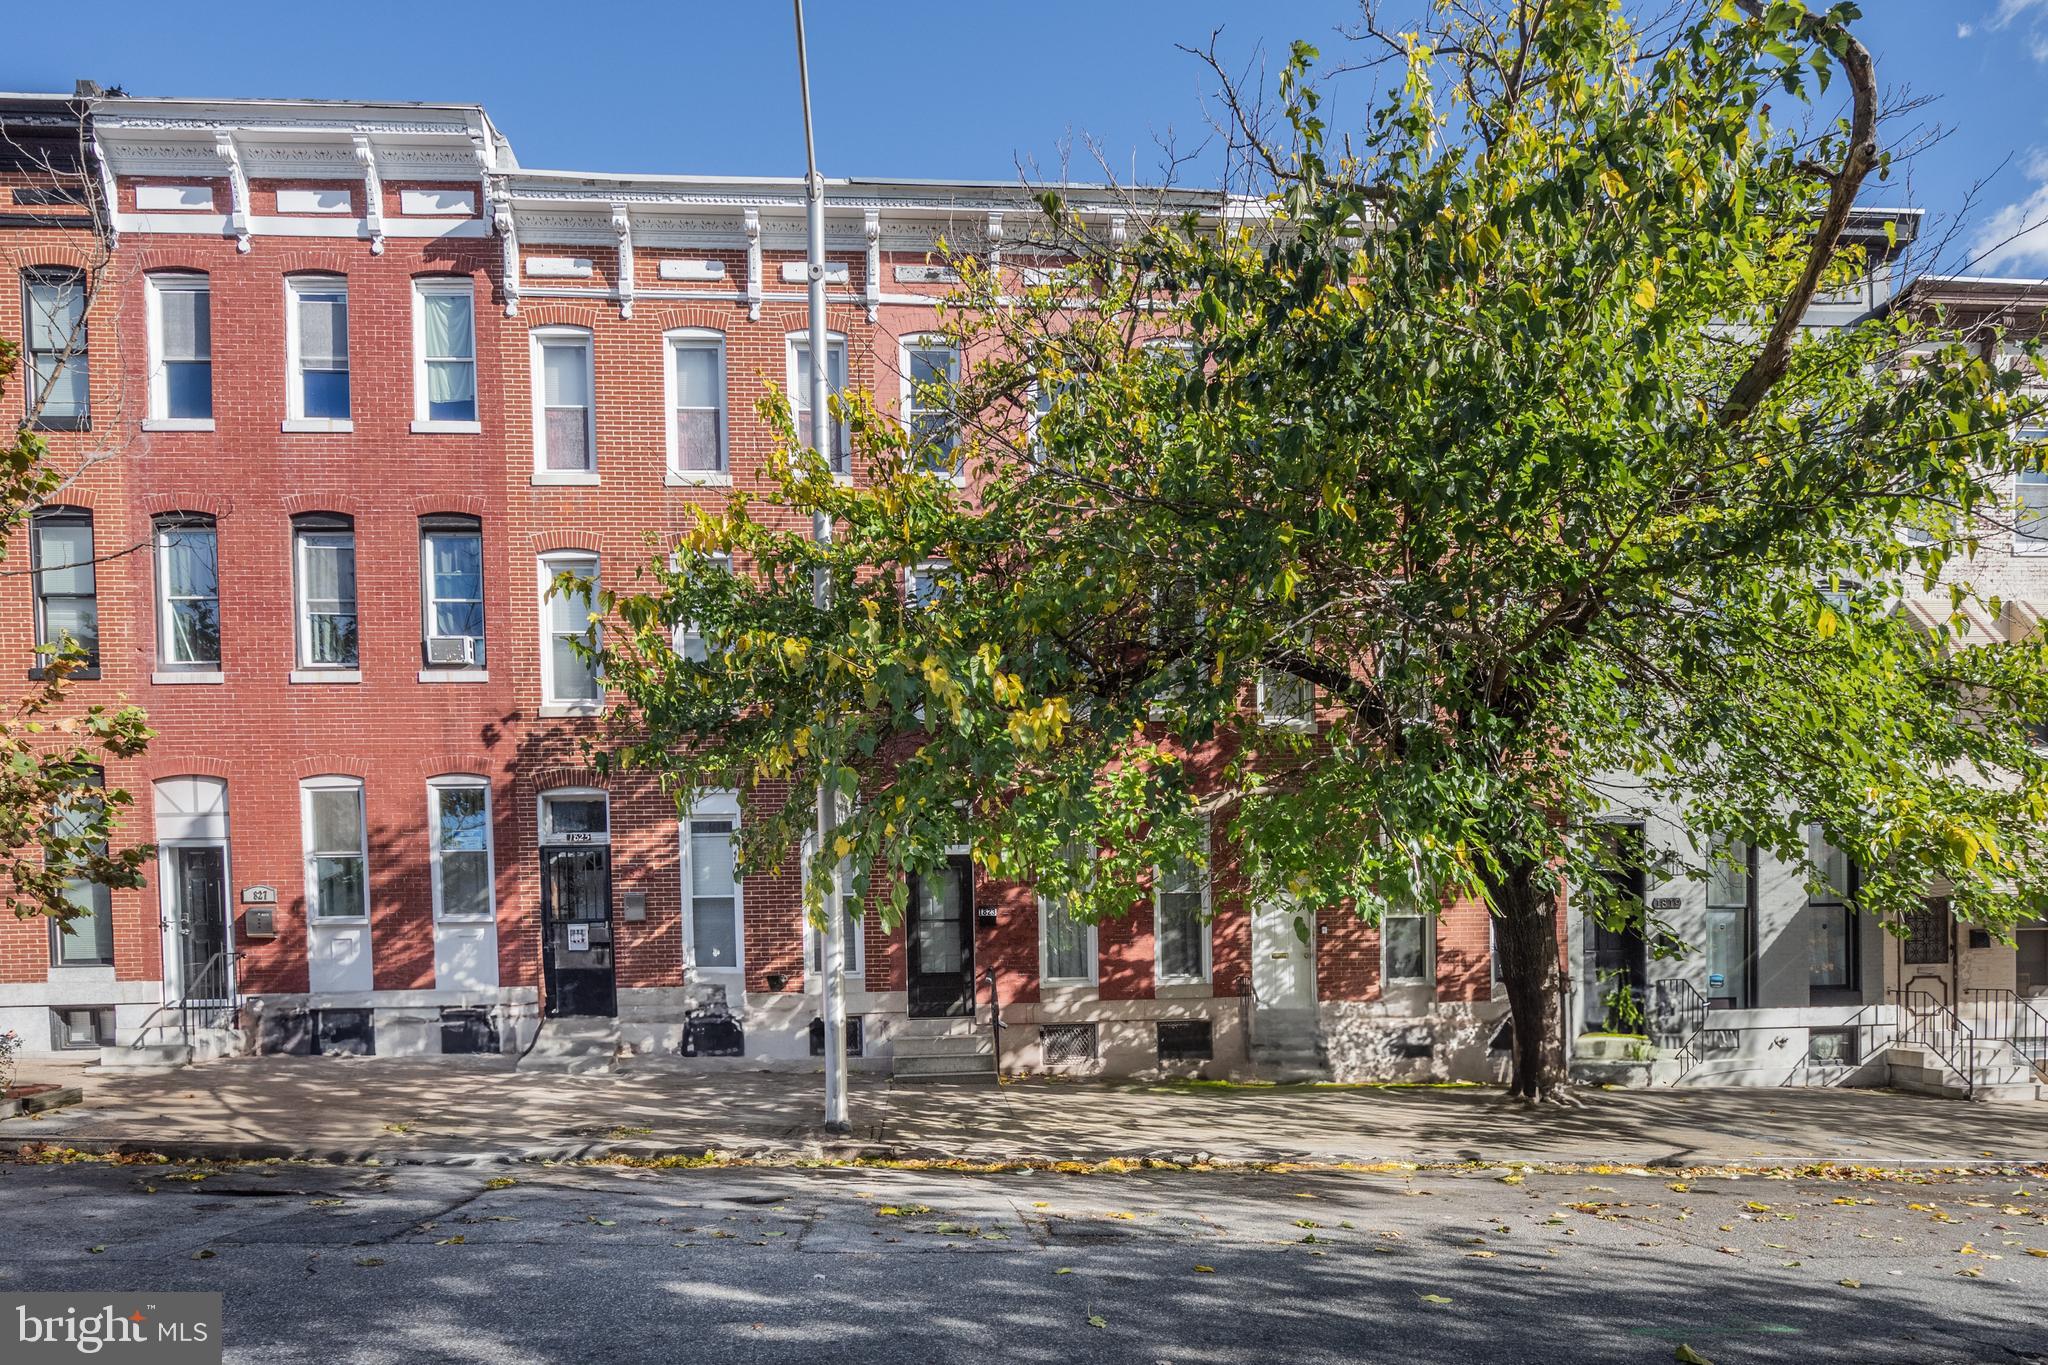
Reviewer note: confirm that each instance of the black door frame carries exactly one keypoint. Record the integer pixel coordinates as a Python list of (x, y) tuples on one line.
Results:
[(961, 867), (1626, 840), (174, 856), (557, 994)]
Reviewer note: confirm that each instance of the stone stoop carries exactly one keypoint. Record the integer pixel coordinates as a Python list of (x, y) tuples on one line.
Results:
[(2003, 1075), (146, 1056), (941, 1051), (1603, 1059), (1287, 1045), (574, 1046)]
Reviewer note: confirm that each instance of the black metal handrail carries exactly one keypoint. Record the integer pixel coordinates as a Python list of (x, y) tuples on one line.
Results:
[(1926, 1022), (995, 1022), (2009, 1016), (206, 1000), (1678, 1010)]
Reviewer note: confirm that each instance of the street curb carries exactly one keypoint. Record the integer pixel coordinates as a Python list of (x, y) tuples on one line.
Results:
[(782, 1152), (56, 1097)]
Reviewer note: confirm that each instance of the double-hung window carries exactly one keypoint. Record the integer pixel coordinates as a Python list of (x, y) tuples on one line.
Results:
[(931, 371), (444, 355), (87, 938), (1404, 947), (188, 592), (568, 678), (690, 641), (181, 351), (2030, 494), (837, 457), (53, 306), (452, 592), (814, 941), (1830, 926), (564, 433), (337, 858), (711, 883), (1285, 701), (696, 404), (324, 572), (923, 583), (459, 821), (316, 339), (67, 594), (1068, 944), (1180, 903)]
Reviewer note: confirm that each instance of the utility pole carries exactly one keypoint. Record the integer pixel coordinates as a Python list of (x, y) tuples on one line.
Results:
[(834, 955)]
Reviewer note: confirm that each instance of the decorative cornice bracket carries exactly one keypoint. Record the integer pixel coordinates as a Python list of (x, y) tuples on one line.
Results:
[(238, 188), (508, 234), (622, 227), (871, 229), (373, 194), (754, 288)]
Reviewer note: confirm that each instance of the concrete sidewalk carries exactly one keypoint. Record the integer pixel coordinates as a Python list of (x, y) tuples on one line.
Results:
[(456, 1110)]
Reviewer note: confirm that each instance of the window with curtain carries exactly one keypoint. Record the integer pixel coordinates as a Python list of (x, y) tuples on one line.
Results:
[(325, 573), (182, 314), (66, 585), (459, 817), (1180, 889), (188, 592), (446, 339), (1069, 942), (800, 397), (319, 337), (697, 391), (562, 363), (53, 307), (452, 591), (337, 880), (1404, 946)]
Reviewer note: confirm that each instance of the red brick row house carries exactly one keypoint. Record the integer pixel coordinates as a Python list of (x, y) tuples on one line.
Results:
[(359, 385)]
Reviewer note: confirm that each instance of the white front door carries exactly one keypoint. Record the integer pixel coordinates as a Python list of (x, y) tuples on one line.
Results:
[(1283, 957)]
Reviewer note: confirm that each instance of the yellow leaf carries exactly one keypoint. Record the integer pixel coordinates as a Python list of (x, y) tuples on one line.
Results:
[(1646, 293), (1205, 1270)]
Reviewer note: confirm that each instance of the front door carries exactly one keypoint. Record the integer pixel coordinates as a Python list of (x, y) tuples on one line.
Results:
[(199, 913), (1283, 957), (1928, 951), (941, 941), (576, 930), (1621, 958)]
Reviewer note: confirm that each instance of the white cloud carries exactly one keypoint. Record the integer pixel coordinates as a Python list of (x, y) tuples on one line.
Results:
[(1965, 30), (2017, 235), (2009, 10)]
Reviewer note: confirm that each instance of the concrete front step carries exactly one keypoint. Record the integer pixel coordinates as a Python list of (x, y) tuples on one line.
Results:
[(146, 1057), (573, 1046), (959, 1046), (1609, 1071)]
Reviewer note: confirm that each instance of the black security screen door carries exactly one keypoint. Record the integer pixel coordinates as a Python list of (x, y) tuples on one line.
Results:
[(941, 941), (576, 930), (200, 900), (1621, 956)]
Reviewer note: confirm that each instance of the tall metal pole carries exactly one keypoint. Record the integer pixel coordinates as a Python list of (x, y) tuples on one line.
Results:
[(836, 1120)]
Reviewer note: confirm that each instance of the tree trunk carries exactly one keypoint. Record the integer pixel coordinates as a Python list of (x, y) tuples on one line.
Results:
[(1526, 941)]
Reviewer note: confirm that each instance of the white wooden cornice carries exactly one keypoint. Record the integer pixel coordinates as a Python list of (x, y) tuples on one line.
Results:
[(373, 194)]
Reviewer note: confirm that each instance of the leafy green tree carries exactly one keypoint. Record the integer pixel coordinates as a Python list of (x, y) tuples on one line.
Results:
[(1493, 427), (57, 818)]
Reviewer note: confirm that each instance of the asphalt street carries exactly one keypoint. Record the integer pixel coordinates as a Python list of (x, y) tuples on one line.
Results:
[(529, 1264)]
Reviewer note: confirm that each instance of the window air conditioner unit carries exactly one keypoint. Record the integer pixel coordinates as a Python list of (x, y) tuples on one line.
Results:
[(452, 649)]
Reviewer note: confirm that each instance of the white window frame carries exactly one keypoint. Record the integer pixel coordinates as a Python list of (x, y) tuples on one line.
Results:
[(160, 549), (856, 941), (1280, 720), (540, 818), (1093, 950), (1205, 918), (928, 341), (936, 570), (721, 804), (695, 339), (461, 782), (680, 637), (1428, 977), (833, 341), (421, 422), (159, 284), (308, 855), (538, 339), (2022, 544), (427, 535), (550, 564), (302, 616), (295, 393)]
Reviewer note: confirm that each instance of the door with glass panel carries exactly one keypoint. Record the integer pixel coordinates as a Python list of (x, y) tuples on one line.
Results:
[(1731, 923), (940, 941), (197, 884), (577, 967)]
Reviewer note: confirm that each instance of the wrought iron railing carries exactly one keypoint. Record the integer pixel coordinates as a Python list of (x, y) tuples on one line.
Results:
[(2007, 1015), (995, 1023), (1678, 1013), (1926, 1022), (206, 1000)]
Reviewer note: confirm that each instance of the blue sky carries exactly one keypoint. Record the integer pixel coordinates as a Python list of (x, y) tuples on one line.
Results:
[(965, 91)]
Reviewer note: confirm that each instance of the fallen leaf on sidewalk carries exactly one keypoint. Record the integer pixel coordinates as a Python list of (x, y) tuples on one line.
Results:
[(369, 1260), (1434, 1298), (2037, 1251), (95, 1250), (457, 1240), (1064, 1270), (1850, 1284), (1686, 1355), (1096, 1320), (204, 1254), (500, 1182), (1205, 1270)]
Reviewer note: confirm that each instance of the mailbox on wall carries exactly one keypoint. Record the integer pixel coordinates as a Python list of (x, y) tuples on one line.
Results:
[(259, 921)]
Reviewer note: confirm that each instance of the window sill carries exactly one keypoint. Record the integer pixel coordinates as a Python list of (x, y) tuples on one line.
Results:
[(61, 424), (1289, 727), (326, 675), (557, 709), (338, 922), (196, 676), (564, 478), (478, 920), (177, 424), (317, 424), (75, 964), (696, 478), (454, 675), (1183, 988), (429, 427)]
